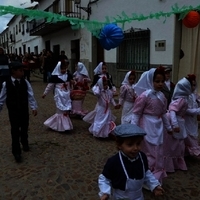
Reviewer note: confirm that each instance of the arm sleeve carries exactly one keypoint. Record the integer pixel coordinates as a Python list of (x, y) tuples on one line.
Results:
[(139, 104), (104, 185), (166, 122), (3, 95), (150, 181), (122, 94), (135, 119), (96, 90), (138, 109), (193, 111), (113, 102), (173, 119), (31, 98), (49, 87)]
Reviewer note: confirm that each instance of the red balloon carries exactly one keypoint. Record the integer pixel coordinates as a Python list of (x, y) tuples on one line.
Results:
[(192, 19)]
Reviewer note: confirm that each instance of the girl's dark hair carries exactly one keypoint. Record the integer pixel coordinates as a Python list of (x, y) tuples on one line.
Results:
[(160, 70), (120, 140), (103, 63), (132, 73), (191, 78), (63, 63)]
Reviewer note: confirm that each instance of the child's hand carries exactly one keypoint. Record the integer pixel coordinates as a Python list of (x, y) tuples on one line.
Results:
[(158, 191), (34, 112), (176, 129), (104, 197), (43, 96)]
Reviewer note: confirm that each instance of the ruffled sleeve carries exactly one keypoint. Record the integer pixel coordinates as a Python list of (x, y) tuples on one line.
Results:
[(122, 94), (177, 105)]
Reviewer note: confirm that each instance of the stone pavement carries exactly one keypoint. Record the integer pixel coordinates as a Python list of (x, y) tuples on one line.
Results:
[(66, 166)]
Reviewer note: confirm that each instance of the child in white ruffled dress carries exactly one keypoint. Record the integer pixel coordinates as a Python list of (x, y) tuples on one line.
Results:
[(80, 87), (60, 83), (104, 120)]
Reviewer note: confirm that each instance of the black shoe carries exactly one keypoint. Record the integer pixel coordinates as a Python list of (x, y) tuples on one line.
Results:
[(18, 158), (26, 148)]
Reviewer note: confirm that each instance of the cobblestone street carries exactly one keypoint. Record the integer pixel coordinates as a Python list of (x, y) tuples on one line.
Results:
[(65, 166)]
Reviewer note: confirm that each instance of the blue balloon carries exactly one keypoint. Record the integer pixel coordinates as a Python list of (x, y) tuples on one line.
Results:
[(111, 36)]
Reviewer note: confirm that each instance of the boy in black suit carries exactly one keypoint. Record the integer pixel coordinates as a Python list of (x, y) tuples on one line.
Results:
[(18, 94)]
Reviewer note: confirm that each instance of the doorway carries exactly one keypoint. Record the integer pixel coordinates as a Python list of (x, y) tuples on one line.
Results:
[(75, 53)]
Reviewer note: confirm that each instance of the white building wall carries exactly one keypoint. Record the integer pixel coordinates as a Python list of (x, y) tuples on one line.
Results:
[(159, 29)]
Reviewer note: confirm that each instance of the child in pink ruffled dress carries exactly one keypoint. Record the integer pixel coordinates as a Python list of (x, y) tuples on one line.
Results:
[(127, 97), (60, 83), (104, 120), (174, 144), (191, 141), (81, 80), (149, 112)]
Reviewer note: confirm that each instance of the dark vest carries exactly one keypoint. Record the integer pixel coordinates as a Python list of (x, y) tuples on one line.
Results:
[(17, 98)]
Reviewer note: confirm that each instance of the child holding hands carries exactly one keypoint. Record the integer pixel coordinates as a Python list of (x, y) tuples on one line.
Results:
[(174, 144), (127, 97), (149, 113), (104, 120), (127, 171)]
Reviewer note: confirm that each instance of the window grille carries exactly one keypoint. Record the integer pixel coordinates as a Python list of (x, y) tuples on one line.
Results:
[(134, 51)]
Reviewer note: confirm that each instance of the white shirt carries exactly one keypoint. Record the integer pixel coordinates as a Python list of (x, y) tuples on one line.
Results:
[(31, 99)]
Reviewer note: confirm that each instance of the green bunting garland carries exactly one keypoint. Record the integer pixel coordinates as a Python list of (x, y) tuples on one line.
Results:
[(95, 26)]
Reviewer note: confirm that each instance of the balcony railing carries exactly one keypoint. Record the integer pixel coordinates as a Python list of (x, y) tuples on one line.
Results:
[(42, 27)]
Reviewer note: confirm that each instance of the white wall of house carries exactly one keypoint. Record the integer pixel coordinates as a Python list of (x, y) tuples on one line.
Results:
[(101, 9), (159, 29)]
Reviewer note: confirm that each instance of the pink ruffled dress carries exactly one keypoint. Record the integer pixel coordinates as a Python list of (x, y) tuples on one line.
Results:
[(174, 145), (149, 113)]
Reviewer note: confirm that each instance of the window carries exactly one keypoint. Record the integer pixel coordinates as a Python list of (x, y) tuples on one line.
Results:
[(22, 29), (136, 44), (16, 30), (68, 6), (20, 50), (27, 27), (19, 27), (56, 6), (36, 50)]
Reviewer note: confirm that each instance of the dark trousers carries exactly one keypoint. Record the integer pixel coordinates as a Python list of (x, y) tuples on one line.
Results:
[(19, 133)]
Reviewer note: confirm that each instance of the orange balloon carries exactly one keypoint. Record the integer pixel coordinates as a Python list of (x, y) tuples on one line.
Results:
[(192, 19)]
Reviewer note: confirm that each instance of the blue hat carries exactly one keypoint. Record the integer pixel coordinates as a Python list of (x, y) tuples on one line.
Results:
[(128, 130)]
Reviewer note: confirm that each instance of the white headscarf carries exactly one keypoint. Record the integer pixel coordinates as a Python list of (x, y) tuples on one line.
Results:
[(182, 89), (57, 72), (98, 69), (126, 78), (81, 69), (145, 82)]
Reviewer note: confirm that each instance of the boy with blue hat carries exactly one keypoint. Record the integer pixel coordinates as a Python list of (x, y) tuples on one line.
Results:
[(127, 171)]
